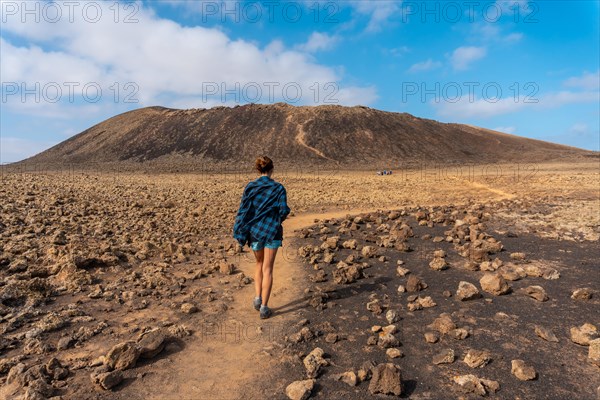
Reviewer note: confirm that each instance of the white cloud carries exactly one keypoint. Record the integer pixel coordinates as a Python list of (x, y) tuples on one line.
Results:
[(353, 96), (462, 57), (509, 8), (579, 129), (485, 108), (506, 129), (425, 66), (319, 41), (587, 81), (168, 62), (513, 37), (397, 51), (379, 11), (490, 32)]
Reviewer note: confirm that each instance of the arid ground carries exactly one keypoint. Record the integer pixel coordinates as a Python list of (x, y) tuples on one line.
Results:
[(130, 286)]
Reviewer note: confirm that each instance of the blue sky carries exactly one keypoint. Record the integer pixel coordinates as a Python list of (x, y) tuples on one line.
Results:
[(530, 68)]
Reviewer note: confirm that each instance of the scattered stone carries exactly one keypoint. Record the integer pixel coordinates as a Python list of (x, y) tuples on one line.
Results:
[(345, 274), (490, 386), (582, 294), (348, 378), (375, 307), (401, 289), (438, 264), (594, 352), (394, 353), (320, 276), (387, 340), (533, 271), (107, 380), (459, 333), (38, 389), (365, 371), (467, 291), (444, 357), (470, 384), (522, 371), (386, 379), (392, 316), (447, 293), (331, 338), (226, 268), (300, 390), (545, 333), (415, 284), (369, 251), (551, 274), (443, 324), (584, 334), (518, 256), (420, 303), (151, 343), (65, 342), (350, 244), (431, 337), (489, 266), (536, 292), (55, 370), (471, 265), (494, 284), (314, 362), (439, 253), (477, 358), (372, 340), (189, 308), (402, 271), (122, 356)]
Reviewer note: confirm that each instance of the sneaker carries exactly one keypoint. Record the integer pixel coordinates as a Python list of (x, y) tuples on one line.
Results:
[(265, 312), (256, 303)]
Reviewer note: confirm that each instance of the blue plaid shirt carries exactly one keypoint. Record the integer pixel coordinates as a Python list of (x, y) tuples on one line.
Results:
[(262, 210)]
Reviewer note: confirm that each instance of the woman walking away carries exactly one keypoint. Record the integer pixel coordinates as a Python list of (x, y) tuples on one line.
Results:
[(258, 222)]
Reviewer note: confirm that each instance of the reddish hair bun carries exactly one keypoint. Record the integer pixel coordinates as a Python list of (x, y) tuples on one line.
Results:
[(263, 164)]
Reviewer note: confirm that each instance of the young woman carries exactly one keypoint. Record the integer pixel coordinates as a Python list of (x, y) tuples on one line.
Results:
[(258, 224)]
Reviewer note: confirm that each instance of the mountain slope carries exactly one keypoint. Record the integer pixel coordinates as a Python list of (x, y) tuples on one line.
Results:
[(289, 134)]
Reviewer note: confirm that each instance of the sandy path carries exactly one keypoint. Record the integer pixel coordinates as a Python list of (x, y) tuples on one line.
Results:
[(476, 185), (224, 360)]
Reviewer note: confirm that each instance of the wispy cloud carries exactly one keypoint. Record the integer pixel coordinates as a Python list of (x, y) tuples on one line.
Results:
[(378, 11), (587, 81), (484, 108), (319, 41), (506, 129), (425, 66), (463, 57)]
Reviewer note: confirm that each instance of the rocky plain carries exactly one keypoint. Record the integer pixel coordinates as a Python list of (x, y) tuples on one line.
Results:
[(431, 283)]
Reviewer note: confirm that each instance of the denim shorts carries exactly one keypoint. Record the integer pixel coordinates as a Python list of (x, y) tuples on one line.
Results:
[(272, 244)]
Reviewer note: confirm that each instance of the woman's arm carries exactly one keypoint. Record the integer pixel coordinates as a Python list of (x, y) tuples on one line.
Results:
[(282, 206)]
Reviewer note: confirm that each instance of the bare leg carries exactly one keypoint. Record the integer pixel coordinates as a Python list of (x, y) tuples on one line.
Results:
[(258, 274), (267, 274)]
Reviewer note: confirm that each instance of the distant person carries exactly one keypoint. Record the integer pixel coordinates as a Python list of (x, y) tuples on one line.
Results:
[(258, 223)]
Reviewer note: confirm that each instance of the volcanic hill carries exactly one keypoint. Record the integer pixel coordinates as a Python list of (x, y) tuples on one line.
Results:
[(339, 135)]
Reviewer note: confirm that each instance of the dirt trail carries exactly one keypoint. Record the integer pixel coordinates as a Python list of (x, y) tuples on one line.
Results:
[(301, 139), (476, 185), (224, 360)]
